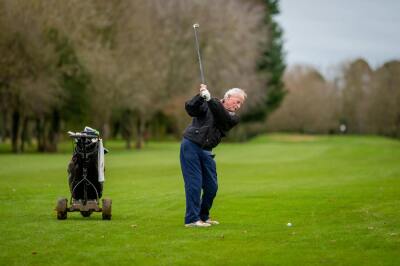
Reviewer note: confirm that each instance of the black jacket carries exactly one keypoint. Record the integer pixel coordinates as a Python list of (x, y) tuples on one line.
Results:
[(211, 121)]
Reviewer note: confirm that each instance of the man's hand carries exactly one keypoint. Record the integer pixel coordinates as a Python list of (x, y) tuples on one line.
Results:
[(204, 93)]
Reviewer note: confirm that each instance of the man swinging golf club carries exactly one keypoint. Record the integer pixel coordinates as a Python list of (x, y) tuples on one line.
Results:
[(212, 119)]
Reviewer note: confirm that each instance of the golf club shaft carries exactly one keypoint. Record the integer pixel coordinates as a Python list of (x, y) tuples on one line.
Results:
[(195, 26)]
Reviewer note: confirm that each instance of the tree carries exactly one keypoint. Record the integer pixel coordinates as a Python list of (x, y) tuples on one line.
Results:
[(355, 87), (148, 60), (311, 104), (28, 76), (271, 65), (120, 59), (384, 100)]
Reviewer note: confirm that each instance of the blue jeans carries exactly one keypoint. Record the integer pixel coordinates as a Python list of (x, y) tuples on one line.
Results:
[(199, 172)]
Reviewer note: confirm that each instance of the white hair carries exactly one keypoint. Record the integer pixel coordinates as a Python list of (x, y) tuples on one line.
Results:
[(235, 91)]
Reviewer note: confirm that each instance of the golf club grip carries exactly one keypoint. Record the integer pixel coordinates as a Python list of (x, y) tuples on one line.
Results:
[(199, 56)]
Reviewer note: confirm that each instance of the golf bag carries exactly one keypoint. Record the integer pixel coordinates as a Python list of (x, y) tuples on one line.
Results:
[(85, 177)]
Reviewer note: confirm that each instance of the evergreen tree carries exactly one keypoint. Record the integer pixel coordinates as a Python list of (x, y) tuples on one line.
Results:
[(271, 65), (74, 80)]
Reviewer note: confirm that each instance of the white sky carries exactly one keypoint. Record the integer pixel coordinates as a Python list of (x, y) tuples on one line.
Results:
[(326, 33)]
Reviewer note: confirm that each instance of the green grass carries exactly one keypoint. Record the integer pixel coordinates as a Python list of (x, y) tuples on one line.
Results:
[(342, 195)]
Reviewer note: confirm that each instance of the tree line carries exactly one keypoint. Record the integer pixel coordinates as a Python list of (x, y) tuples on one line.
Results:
[(357, 100), (127, 67)]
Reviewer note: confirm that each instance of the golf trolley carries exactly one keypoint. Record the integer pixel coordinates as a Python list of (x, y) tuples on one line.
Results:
[(85, 177)]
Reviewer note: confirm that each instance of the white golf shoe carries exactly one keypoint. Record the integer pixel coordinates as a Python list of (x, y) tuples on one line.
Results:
[(199, 223), (210, 222)]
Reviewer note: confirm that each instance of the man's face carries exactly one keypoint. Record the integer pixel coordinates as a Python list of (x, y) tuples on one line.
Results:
[(233, 102)]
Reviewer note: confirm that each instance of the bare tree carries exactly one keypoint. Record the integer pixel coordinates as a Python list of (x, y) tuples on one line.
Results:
[(139, 56), (311, 105), (28, 80), (355, 88), (150, 61), (384, 100)]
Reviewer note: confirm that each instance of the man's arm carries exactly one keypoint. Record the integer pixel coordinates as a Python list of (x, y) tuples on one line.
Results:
[(196, 107), (224, 119)]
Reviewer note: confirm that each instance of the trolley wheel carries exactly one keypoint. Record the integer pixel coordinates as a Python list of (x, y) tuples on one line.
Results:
[(86, 213), (61, 208), (106, 210)]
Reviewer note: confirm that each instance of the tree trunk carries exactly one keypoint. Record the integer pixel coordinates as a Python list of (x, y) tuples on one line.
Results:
[(24, 134), (54, 132), (105, 131), (40, 134), (128, 144), (127, 135), (4, 132), (15, 131), (140, 133)]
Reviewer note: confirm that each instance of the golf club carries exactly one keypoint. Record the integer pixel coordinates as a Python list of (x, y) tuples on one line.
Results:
[(195, 27)]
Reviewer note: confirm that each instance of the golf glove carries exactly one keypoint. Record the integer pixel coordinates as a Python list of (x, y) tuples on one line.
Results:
[(205, 94)]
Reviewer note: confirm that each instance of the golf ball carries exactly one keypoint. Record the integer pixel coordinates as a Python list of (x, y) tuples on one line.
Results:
[(289, 224)]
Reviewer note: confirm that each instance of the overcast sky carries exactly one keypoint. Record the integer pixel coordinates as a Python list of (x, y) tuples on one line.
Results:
[(325, 33)]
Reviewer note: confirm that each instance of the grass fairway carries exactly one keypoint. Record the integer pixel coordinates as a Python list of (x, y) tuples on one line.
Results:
[(342, 195)]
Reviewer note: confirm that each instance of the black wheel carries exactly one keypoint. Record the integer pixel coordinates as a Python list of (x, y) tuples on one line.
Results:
[(86, 213), (106, 210), (61, 209)]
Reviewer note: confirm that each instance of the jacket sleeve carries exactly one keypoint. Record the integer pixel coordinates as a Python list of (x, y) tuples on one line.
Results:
[(224, 119), (196, 106)]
